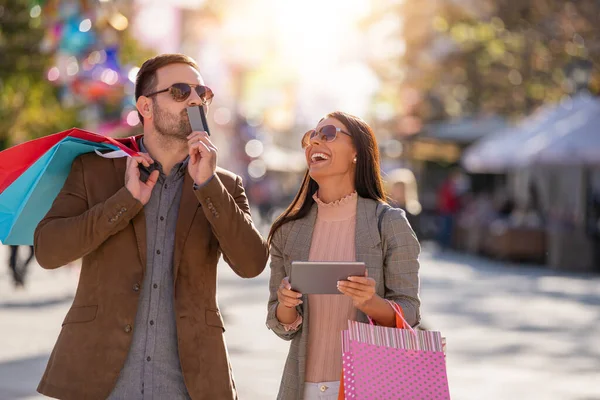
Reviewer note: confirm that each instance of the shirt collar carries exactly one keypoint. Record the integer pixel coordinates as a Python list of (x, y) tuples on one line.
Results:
[(179, 167)]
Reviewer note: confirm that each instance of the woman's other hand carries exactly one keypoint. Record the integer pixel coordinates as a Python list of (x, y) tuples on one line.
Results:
[(286, 295), (360, 288)]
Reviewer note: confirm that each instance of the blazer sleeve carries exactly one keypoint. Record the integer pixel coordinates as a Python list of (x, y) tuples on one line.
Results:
[(277, 274), (401, 264), (243, 247), (71, 229)]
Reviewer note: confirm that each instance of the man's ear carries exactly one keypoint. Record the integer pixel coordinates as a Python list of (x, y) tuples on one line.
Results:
[(144, 107)]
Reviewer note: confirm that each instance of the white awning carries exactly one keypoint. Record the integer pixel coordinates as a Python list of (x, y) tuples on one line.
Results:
[(521, 145)]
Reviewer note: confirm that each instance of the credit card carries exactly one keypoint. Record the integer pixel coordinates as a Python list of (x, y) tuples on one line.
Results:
[(197, 119)]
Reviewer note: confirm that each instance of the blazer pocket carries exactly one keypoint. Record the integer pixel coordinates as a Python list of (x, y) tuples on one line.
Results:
[(213, 318), (80, 314)]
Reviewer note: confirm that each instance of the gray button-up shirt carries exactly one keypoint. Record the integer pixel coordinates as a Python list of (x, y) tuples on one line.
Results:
[(152, 369)]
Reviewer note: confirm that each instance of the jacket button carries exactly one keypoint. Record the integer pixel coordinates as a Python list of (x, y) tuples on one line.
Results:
[(123, 209), (136, 287), (127, 328)]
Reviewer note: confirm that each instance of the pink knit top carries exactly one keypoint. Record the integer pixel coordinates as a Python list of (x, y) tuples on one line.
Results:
[(332, 240)]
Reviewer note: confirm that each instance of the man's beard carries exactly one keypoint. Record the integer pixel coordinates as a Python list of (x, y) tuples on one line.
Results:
[(170, 125)]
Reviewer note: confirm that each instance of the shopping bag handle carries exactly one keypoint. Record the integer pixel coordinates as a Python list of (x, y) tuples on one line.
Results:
[(131, 152), (400, 321)]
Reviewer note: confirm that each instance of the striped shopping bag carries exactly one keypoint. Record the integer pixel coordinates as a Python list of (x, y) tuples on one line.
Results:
[(393, 363)]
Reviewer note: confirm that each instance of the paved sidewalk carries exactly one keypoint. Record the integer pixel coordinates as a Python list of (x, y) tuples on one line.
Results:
[(513, 332)]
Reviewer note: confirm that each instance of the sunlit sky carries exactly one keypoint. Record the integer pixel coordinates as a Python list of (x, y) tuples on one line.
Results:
[(317, 45), (320, 42), (307, 57)]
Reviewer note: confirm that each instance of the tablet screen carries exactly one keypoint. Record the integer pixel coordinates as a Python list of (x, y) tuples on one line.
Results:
[(321, 277)]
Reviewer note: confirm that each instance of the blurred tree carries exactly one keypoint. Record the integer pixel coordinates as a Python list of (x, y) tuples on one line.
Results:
[(504, 56), (29, 105)]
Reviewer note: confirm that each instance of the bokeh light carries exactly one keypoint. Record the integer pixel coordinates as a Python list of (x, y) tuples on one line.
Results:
[(133, 73), (53, 74), (35, 11), (254, 148), (85, 25), (222, 116), (132, 118), (257, 169), (109, 76)]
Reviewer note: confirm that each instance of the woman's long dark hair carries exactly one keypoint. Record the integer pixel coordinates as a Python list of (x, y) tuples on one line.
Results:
[(367, 179)]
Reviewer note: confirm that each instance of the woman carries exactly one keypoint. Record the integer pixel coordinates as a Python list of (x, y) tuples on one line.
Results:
[(334, 217)]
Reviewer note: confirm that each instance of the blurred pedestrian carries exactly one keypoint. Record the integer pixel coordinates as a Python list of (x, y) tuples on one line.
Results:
[(402, 189), (334, 217), (449, 206), (145, 322), (19, 271)]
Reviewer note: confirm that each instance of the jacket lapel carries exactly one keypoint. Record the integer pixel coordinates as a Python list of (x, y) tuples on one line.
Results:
[(297, 246), (367, 240), (187, 210), (139, 221), (367, 235)]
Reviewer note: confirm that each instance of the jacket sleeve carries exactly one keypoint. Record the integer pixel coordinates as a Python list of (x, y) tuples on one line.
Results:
[(71, 229), (243, 247), (401, 264), (277, 274)]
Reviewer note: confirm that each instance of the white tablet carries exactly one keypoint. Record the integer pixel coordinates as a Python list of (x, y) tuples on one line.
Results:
[(321, 277)]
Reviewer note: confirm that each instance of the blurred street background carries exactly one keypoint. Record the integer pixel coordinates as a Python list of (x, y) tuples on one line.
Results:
[(488, 120)]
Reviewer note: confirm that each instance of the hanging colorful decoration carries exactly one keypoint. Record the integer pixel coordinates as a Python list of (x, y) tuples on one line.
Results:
[(84, 37)]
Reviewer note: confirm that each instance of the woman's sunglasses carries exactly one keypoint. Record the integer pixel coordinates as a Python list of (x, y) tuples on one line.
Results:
[(181, 91), (327, 134)]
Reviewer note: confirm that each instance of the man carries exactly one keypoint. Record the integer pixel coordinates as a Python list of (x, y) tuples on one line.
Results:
[(145, 323)]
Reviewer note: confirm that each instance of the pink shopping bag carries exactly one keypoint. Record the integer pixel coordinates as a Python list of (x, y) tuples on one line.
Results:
[(391, 363)]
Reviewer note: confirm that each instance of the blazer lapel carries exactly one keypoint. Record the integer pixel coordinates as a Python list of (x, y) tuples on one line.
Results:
[(367, 236), (139, 221), (297, 246), (367, 244), (187, 210)]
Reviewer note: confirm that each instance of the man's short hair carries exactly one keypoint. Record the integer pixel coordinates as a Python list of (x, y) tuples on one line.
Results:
[(145, 82)]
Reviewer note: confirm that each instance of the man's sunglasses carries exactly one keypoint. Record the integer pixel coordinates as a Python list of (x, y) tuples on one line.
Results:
[(181, 91), (327, 133)]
